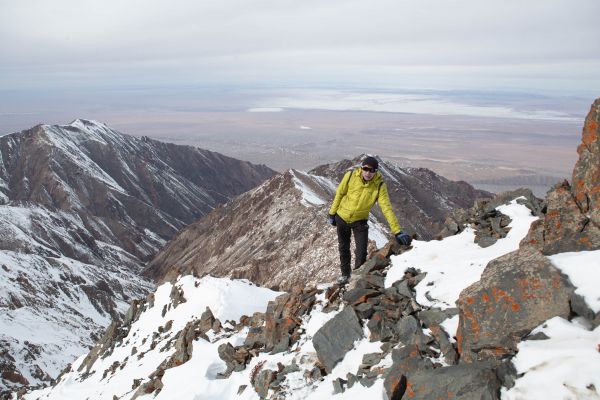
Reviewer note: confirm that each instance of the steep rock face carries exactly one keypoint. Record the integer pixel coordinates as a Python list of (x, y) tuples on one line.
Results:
[(277, 235), (420, 197), (572, 221), (82, 208), (586, 174)]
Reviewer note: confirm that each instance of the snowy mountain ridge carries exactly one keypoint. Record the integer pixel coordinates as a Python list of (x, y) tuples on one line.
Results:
[(133, 366), (522, 273), (83, 208)]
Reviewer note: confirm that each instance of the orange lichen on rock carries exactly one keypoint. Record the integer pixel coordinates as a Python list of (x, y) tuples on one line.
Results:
[(590, 133), (498, 293), (553, 213), (474, 328)]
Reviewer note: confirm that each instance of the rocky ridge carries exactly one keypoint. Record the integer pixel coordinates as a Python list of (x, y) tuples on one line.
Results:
[(82, 208), (407, 349), (276, 235), (496, 313), (412, 355)]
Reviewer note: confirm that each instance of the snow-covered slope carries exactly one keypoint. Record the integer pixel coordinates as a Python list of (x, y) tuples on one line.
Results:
[(525, 326), (83, 207), (567, 363)]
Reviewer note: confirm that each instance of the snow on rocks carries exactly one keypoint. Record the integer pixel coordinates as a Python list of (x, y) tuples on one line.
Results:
[(316, 190), (579, 267), (175, 348), (130, 353), (457, 261), (563, 364)]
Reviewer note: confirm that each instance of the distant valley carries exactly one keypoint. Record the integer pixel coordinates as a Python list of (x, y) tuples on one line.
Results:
[(497, 141)]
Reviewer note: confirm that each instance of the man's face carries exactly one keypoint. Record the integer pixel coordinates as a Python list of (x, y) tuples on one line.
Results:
[(368, 172)]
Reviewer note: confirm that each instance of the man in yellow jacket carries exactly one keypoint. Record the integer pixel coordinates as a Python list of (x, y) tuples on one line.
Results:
[(356, 194)]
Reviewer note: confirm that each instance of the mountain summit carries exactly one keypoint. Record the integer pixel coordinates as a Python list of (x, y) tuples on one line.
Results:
[(83, 207)]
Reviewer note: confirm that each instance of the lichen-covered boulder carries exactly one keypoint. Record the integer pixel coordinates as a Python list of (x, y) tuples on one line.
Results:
[(516, 293)]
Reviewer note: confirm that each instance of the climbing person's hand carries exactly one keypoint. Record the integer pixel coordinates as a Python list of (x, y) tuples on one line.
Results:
[(403, 238), (331, 220)]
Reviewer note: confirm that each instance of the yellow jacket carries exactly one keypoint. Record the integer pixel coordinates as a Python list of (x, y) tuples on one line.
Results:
[(355, 197)]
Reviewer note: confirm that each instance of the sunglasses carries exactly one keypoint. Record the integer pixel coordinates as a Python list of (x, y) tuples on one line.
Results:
[(369, 169)]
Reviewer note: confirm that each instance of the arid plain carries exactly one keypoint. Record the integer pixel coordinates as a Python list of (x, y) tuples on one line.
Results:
[(524, 141)]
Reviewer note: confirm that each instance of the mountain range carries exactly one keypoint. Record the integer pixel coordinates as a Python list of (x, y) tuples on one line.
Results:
[(503, 306), (83, 208)]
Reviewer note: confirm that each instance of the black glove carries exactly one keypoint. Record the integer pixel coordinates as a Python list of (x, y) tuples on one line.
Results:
[(403, 238), (332, 220)]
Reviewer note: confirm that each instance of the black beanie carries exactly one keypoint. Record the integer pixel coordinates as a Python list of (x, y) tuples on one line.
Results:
[(371, 161)]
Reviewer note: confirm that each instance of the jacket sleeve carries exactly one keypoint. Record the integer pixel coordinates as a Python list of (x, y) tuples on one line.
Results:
[(341, 191), (386, 207)]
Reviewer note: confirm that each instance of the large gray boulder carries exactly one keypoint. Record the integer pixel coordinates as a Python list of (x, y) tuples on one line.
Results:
[(337, 337), (516, 293), (465, 382)]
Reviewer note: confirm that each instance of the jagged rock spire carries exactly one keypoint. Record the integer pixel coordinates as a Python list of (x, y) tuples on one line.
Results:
[(572, 220)]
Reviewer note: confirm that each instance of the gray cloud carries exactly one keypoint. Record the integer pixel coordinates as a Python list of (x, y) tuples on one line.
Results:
[(539, 43)]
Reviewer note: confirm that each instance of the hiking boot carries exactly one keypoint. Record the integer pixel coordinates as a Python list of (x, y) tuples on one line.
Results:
[(342, 280)]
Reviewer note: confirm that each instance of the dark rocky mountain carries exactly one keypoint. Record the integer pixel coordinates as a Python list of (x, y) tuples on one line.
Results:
[(83, 207), (276, 235)]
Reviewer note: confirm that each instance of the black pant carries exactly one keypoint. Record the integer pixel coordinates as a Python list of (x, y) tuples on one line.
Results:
[(360, 229)]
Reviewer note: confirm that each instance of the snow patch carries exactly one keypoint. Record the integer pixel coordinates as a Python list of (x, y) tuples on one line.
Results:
[(582, 269), (309, 197), (566, 366), (457, 261)]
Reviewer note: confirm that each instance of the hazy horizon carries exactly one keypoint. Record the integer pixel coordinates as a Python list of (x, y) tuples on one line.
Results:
[(278, 81)]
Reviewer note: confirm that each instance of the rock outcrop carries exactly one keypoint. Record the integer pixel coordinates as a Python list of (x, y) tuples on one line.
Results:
[(522, 289), (572, 220), (516, 293)]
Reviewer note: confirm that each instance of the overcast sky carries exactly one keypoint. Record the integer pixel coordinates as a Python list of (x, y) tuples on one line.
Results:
[(446, 44)]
